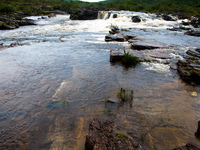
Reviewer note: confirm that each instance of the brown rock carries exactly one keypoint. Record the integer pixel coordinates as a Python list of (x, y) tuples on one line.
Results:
[(104, 136)]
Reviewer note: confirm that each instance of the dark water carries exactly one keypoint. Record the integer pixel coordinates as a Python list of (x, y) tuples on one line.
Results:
[(51, 89)]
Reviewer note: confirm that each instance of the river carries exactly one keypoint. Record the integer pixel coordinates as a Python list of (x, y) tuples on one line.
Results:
[(58, 77)]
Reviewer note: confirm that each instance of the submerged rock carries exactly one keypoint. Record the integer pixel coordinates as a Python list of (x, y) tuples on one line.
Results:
[(105, 136)]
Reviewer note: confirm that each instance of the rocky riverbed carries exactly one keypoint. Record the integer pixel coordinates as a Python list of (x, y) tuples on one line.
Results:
[(58, 77)]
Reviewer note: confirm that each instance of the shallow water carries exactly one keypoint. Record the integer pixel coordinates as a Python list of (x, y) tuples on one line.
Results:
[(52, 87)]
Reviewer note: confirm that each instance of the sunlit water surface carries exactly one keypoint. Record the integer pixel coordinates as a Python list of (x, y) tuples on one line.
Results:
[(57, 82)]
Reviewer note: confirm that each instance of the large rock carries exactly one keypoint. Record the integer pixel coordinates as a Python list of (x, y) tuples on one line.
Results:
[(104, 136), (168, 18), (25, 22), (189, 68), (188, 146), (136, 19)]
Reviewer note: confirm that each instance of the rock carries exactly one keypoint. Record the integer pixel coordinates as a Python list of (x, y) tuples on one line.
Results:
[(159, 55), (140, 46), (188, 146), (26, 22), (115, 16), (189, 68), (86, 13), (193, 33), (198, 130), (114, 31), (136, 19), (168, 18), (116, 56), (195, 22), (118, 38), (104, 136)]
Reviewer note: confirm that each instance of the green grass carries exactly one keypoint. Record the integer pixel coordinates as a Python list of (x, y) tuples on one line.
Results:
[(129, 60)]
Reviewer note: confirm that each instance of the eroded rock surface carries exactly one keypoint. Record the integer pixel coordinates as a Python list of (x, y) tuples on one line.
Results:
[(106, 136)]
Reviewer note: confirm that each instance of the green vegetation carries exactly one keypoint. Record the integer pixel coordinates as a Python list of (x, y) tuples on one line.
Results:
[(129, 60), (125, 95), (182, 7), (120, 135)]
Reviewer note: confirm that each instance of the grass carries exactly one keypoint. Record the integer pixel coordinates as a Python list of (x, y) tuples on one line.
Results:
[(129, 60), (120, 135), (125, 95)]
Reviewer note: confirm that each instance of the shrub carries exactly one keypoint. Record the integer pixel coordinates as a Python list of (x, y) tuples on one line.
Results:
[(129, 59), (6, 9)]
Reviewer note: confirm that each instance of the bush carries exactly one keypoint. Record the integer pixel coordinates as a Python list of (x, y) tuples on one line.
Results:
[(6, 9), (129, 59)]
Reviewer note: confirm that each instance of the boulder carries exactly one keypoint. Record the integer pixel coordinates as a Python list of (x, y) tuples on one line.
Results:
[(115, 16), (106, 136), (25, 22), (168, 18), (136, 19)]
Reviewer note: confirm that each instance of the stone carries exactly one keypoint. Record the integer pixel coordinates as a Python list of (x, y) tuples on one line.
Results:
[(115, 16), (116, 56), (136, 19), (104, 136), (118, 38), (193, 33), (168, 18)]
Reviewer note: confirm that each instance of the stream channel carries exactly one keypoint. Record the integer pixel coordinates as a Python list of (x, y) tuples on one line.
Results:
[(58, 77)]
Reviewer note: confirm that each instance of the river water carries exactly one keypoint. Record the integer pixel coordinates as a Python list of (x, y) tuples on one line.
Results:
[(58, 77)]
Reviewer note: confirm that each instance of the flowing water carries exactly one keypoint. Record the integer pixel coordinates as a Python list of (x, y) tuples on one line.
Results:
[(57, 78)]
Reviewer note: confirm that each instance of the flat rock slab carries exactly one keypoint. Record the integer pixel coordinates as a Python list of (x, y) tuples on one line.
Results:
[(146, 45), (116, 55), (159, 55)]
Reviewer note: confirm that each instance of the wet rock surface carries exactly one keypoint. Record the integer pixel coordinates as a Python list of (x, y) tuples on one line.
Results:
[(193, 33), (136, 19), (189, 68), (107, 135), (189, 146)]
